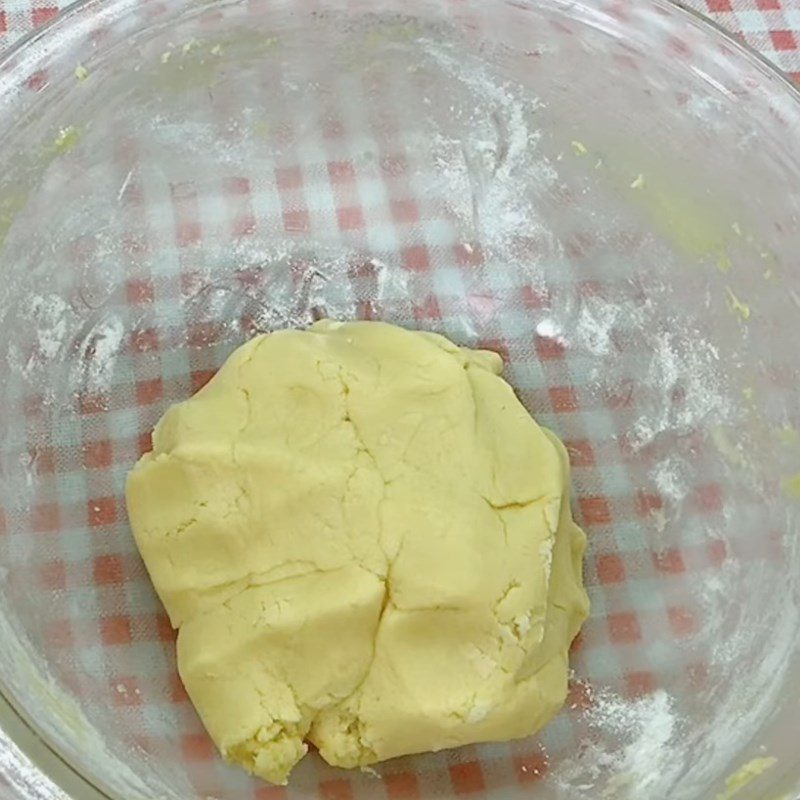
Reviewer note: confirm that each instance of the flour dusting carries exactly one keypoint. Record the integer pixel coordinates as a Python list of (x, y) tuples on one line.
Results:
[(486, 157), (634, 749), (647, 761), (684, 380), (100, 350), (51, 314)]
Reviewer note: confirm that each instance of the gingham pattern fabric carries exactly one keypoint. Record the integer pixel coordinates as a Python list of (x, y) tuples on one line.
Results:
[(109, 610)]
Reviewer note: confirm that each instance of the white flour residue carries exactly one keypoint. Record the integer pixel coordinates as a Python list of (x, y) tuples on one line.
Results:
[(24, 775), (595, 326), (42, 334), (647, 761), (288, 283), (598, 320), (99, 353), (487, 166), (765, 661), (710, 112), (716, 592), (674, 477), (60, 350), (685, 387), (634, 752), (51, 316)]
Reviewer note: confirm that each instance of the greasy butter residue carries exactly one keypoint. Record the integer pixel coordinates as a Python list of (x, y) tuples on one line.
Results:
[(677, 210), (196, 62), (616, 783), (723, 260), (791, 486), (687, 222), (750, 402), (741, 309), (638, 182), (579, 148), (368, 53), (262, 128), (789, 435), (66, 140), (9, 206), (243, 41), (192, 44), (745, 776), (727, 448), (81, 73), (186, 68), (394, 32)]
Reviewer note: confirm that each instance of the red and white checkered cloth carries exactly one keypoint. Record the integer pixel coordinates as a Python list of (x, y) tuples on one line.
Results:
[(100, 583)]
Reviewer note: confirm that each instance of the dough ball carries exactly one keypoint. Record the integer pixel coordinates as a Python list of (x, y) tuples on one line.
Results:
[(365, 542)]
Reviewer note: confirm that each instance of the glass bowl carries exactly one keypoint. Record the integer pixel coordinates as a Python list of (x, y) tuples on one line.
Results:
[(607, 193)]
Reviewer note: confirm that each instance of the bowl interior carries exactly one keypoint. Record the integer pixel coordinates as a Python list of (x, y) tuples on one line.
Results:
[(604, 192)]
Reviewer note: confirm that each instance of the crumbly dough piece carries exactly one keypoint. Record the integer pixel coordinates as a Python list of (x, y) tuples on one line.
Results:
[(365, 542)]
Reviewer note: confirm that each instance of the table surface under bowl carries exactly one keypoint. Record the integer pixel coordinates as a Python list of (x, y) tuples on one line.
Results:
[(604, 192)]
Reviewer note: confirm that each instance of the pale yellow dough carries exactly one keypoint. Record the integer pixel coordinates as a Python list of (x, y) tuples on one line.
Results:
[(365, 542)]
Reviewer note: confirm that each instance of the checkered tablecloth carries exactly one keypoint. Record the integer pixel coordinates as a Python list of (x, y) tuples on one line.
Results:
[(772, 27), (110, 619)]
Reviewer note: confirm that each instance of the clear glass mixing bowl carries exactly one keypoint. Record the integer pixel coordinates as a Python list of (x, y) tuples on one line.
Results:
[(606, 192)]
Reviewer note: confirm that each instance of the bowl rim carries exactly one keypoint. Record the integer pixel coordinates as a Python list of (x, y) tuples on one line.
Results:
[(683, 6), (34, 749)]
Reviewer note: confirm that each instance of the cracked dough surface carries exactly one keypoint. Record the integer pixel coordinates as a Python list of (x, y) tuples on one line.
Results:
[(365, 542)]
